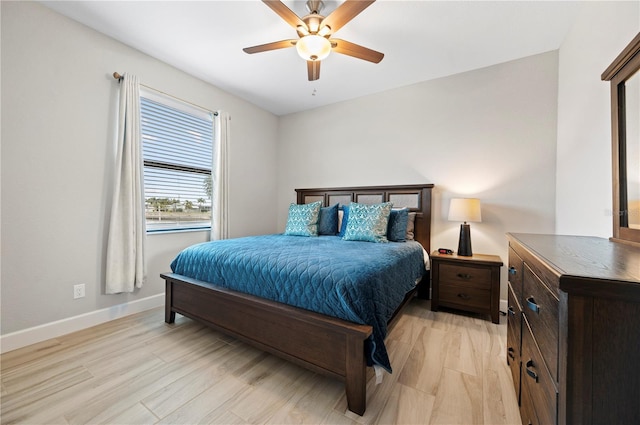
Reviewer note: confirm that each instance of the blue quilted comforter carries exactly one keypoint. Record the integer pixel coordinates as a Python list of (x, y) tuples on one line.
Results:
[(361, 282)]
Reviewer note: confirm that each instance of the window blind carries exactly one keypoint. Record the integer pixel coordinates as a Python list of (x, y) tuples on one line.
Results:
[(177, 143)]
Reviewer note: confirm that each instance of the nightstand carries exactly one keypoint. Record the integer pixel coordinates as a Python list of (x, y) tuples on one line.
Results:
[(466, 283)]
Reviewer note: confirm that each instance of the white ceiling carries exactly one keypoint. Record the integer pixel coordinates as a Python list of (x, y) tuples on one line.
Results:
[(421, 40)]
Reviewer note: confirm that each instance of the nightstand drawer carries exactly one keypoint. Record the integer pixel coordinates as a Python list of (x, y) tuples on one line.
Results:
[(464, 297), (478, 277)]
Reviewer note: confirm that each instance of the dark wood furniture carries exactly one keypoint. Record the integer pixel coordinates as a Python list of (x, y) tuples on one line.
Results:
[(321, 343), (466, 283), (623, 71), (573, 329)]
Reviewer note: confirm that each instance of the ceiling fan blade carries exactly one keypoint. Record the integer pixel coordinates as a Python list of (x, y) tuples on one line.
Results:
[(355, 50), (313, 70), (344, 13), (270, 46), (285, 13)]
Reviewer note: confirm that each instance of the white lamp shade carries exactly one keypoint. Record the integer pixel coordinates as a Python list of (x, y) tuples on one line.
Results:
[(465, 209), (313, 47)]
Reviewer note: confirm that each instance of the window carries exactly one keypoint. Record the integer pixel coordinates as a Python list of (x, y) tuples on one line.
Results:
[(177, 145)]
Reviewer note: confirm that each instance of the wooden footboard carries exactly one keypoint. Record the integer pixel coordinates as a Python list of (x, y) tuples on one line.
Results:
[(320, 343)]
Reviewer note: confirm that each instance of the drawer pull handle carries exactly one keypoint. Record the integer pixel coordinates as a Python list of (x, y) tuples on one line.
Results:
[(512, 270), (511, 311), (464, 296), (510, 354), (464, 276), (530, 372), (531, 303)]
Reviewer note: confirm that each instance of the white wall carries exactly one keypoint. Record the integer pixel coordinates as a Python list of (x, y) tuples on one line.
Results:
[(488, 133), (601, 31), (58, 104)]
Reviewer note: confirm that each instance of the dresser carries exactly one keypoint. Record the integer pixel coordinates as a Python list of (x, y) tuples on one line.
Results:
[(573, 329)]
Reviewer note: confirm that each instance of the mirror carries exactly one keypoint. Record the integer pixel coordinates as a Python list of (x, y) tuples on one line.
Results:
[(631, 157), (624, 74)]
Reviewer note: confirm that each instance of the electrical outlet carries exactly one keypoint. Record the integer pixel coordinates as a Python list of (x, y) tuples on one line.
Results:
[(78, 291)]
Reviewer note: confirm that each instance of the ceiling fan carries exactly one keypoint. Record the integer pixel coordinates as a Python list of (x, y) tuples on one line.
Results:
[(314, 41)]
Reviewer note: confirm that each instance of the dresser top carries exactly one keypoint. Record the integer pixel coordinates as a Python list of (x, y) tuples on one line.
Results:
[(584, 256)]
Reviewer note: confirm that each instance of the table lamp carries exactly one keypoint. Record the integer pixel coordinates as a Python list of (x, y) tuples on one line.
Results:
[(465, 209)]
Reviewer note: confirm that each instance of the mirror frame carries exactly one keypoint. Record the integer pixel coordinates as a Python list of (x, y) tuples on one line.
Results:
[(621, 69)]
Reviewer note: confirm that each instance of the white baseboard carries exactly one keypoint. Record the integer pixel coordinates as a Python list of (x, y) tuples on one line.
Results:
[(19, 339), (504, 305)]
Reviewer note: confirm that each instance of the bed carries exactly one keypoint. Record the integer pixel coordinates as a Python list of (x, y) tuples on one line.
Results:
[(330, 345)]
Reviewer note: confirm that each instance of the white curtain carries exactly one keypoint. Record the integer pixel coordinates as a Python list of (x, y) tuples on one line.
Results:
[(126, 268), (220, 178)]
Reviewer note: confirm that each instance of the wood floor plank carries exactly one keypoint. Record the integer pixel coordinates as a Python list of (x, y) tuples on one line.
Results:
[(407, 405), (113, 399), (458, 399), (309, 406), (426, 361), (134, 415), (80, 347), (500, 405), (200, 408), (220, 362), (408, 327), (26, 355), (170, 397), (37, 378), (32, 392), (465, 352), (272, 382), (223, 418), (448, 368), (77, 397)]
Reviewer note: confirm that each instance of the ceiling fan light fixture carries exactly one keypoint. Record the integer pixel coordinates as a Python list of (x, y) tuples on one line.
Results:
[(325, 31), (313, 47)]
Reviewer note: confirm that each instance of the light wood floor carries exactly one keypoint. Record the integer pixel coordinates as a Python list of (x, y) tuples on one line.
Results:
[(448, 369)]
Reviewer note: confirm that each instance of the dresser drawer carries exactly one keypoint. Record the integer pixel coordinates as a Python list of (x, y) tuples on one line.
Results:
[(515, 273), (514, 318), (514, 340), (527, 410), (465, 297), (536, 380), (478, 277), (540, 307)]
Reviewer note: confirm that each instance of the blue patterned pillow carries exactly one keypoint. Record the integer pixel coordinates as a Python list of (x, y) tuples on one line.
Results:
[(328, 221), (397, 228), (303, 219), (368, 222)]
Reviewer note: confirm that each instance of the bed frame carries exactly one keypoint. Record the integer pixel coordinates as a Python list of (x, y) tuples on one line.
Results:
[(338, 345)]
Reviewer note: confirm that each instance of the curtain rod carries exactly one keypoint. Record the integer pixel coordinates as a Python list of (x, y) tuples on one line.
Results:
[(119, 77)]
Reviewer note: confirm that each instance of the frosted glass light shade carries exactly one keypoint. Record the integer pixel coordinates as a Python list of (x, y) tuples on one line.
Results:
[(313, 47), (465, 209)]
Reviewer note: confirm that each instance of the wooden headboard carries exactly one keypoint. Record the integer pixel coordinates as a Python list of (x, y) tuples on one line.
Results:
[(416, 197)]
